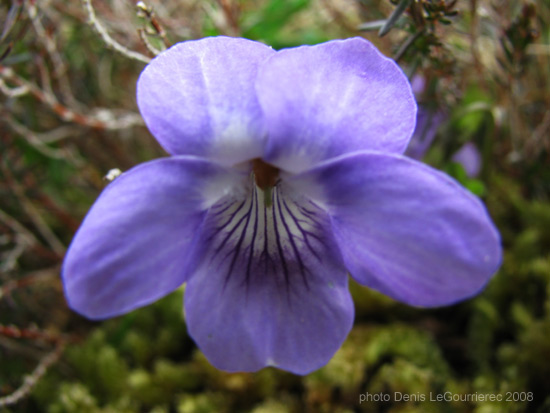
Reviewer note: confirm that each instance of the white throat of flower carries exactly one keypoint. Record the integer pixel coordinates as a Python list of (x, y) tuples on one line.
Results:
[(269, 230)]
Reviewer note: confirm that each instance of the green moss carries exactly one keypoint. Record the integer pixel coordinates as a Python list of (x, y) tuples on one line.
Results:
[(202, 403), (74, 398), (272, 406)]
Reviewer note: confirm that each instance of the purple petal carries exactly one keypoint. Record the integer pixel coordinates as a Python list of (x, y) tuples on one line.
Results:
[(271, 289), (470, 159), (198, 98), (406, 229), (133, 246), (330, 99)]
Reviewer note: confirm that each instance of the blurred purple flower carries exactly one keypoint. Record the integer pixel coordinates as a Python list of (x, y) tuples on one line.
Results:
[(428, 121), (470, 159), (418, 85), (286, 173), (427, 124)]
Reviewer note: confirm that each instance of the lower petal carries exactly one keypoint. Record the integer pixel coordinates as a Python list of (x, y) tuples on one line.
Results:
[(404, 228), (271, 289), (133, 246)]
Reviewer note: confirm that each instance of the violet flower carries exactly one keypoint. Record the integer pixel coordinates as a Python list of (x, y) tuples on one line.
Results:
[(469, 157), (428, 121), (287, 173)]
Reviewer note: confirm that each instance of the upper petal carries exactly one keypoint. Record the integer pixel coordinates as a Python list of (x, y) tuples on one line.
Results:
[(198, 98), (271, 288), (133, 246), (406, 229), (333, 98)]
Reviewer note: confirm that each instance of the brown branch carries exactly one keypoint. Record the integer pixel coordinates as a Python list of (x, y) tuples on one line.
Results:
[(30, 381), (50, 100), (148, 13), (40, 224), (59, 65), (152, 49), (30, 279), (30, 333), (105, 118), (106, 37)]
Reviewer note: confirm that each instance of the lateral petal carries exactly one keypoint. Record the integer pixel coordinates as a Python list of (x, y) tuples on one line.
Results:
[(133, 246), (405, 229)]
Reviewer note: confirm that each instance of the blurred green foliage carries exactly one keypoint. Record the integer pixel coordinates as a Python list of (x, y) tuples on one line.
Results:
[(489, 70)]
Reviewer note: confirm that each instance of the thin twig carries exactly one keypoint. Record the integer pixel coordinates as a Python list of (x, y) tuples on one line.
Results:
[(49, 99), (539, 138), (45, 76), (30, 279), (152, 49), (148, 13), (60, 68), (408, 43), (29, 333), (13, 92), (372, 25), (41, 225), (104, 118), (92, 19), (390, 22), (30, 381), (58, 134), (20, 348), (18, 228), (35, 141), (9, 258)]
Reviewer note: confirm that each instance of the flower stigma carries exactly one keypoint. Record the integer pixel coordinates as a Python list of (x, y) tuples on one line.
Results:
[(265, 176)]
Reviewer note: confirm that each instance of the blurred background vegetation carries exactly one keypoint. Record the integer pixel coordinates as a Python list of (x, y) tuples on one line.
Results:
[(68, 115)]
